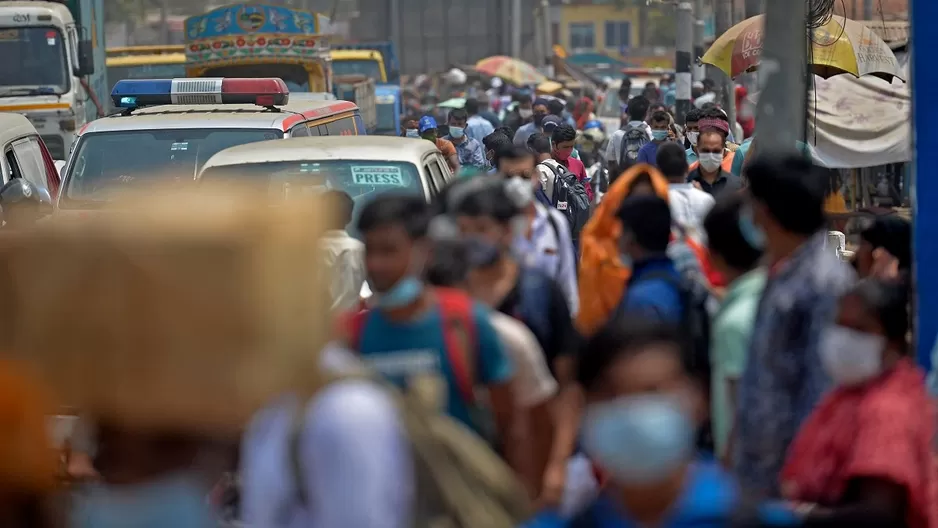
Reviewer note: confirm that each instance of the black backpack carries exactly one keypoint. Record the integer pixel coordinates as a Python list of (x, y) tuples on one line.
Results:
[(570, 198), (634, 139)]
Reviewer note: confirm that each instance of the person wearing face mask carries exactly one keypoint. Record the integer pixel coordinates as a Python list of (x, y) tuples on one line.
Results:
[(493, 143), (691, 133), (403, 338), (540, 111), (520, 114), (563, 142), (864, 456), (783, 379), (471, 153), (709, 175), (543, 239), (426, 129), (660, 122), (643, 405)]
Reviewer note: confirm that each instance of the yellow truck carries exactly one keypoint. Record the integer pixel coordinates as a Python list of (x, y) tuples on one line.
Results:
[(256, 40), (146, 62)]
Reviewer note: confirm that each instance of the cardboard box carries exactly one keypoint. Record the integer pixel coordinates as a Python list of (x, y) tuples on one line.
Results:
[(184, 312)]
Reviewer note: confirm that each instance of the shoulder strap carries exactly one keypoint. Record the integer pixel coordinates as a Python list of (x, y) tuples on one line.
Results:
[(352, 328), (556, 229), (459, 339)]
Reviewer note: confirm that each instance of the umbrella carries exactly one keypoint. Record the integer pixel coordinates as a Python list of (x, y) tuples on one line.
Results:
[(515, 71), (549, 87), (456, 102), (840, 46)]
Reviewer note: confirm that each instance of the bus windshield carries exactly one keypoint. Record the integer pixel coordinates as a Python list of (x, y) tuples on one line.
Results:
[(111, 162), (33, 62), (369, 68)]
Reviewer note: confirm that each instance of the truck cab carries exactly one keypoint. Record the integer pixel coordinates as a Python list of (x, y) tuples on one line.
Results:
[(52, 69), (378, 61)]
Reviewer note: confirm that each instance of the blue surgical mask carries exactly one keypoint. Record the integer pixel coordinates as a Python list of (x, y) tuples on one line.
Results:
[(403, 293), (639, 440), (753, 235), (175, 500), (412, 133), (457, 132), (659, 135), (482, 253), (626, 260)]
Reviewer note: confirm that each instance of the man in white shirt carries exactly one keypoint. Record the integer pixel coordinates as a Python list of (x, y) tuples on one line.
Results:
[(689, 205), (343, 255), (351, 452), (637, 112)]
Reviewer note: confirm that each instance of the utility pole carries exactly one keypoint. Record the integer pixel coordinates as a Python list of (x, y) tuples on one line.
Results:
[(682, 60), (699, 70), (724, 21), (867, 9), (394, 17), (516, 29), (548, 38), (782, 75), (753, 8)]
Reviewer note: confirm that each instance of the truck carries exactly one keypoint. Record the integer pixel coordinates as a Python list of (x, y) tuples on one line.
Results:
[(53, 67), (378, 61), (361, 91)]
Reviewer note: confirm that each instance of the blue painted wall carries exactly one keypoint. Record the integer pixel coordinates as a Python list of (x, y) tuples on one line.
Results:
[(925, 183)]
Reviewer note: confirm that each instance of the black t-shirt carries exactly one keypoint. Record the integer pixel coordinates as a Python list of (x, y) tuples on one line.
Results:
[(561, 338), (725, 182)]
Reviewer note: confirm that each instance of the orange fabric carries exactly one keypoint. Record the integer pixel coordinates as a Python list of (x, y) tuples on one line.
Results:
[(703, 256), (882, 430), (28, 460), (727, 164), (448, 149), (602, 276)]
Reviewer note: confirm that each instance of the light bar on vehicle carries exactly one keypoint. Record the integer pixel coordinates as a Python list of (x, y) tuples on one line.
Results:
[(136, 93)]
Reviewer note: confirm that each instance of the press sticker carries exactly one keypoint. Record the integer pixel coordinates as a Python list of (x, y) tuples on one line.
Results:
[(562, 206), (180, 146), (370, 175)]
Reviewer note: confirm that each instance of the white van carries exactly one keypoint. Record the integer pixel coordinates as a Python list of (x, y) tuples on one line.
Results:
[(25, 155)]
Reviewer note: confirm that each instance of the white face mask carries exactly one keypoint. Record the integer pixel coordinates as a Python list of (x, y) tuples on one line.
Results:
[(525, 112), (710, 161), (851, 357), (692, 137)]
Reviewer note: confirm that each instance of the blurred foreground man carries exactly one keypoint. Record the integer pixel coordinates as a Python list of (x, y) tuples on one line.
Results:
[(784, 378)]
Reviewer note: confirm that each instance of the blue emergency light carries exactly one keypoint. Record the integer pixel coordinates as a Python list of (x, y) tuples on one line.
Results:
[(136, 93)]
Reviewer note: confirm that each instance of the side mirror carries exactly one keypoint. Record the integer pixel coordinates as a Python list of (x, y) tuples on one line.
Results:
[(85, 58)]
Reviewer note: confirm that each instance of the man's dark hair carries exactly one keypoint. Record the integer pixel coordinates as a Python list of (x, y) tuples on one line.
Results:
[(659, 116), (724, 237), (342, 204), (506, 130), (511, 153), (894, 234), (626, 86), (563, 132), (889, 303), (472, 106), (539, 143), (484, 199), (524, 98), (555, 107), (672, 161), (648, 218), (449, 263), (791, 190), (706, 107), (409, 211), (693, 116), (495, 140), (622, 337), (638, 108), (459, 114)]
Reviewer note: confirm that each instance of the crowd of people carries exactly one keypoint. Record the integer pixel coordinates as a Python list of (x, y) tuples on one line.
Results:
[(686, 351)]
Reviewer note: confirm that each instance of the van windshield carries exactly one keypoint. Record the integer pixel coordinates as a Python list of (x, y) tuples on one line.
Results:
[(111, 162), (33, 61)]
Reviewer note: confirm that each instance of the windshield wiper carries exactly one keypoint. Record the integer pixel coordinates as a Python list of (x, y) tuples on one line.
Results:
[(13, 92)]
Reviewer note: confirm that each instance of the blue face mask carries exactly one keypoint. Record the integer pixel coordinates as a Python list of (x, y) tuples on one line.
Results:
[(639, 440), (482, 253), (404, 293), (412, 133), (626, 260), (457, 132), (753, 235), (659, 135), (171, 501)]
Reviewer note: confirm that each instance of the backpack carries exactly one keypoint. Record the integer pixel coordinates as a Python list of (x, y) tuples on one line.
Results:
[(634, 139), (571, 199), (460, 481), (601, 276)]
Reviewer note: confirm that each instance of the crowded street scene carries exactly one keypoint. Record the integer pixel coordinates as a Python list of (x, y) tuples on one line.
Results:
[(444, 264)]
